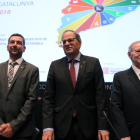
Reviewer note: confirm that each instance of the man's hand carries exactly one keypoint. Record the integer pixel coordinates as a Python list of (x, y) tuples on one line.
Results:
[(2, 127), (103, 135), (126, 138), (48, 135), (6, 130)]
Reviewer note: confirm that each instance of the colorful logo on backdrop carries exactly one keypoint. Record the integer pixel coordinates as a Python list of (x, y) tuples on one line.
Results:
[(81, 15)]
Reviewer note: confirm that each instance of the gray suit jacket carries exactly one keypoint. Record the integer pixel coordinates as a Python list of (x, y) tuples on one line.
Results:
[(18, 103)]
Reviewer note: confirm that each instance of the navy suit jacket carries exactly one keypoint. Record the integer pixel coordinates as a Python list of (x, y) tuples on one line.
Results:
[(125, 104)]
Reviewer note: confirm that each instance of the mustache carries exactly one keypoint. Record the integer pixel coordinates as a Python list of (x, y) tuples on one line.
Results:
[(14, 48), (68, 47)]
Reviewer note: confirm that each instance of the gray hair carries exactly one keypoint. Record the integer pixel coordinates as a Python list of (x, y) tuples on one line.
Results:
[(77, 36), (130, 47)]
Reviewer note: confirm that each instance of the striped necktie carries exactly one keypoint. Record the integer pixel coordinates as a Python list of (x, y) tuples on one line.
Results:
[(10, 73)]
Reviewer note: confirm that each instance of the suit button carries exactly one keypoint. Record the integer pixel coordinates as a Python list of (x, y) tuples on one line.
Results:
[(7, 99), (70, 108)]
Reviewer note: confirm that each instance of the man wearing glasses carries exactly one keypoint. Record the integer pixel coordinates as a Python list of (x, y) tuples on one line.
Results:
[(74, 98), (125, 100)]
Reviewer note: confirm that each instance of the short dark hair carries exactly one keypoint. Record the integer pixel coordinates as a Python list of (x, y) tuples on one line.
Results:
[(77, 36), (17, 34)]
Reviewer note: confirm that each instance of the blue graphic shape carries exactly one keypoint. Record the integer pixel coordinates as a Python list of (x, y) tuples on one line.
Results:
[(125, 9), (104, 20), (109, 17), (70, 18)]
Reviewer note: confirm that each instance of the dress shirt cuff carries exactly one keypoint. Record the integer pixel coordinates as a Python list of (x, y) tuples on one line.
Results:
[(47, 129)]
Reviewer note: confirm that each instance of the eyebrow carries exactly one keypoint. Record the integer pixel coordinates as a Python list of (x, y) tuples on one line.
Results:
[(18, 42), (15, 41)]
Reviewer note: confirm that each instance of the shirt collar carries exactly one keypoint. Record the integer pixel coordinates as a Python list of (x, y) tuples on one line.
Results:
[(76, 58), (19, 61), (137, 70)]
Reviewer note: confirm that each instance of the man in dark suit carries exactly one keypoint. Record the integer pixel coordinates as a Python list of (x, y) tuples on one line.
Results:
[(73, 107), (18, 93), (125, 100)]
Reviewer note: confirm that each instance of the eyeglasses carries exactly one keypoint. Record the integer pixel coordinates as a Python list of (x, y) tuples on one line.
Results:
[(137, 51), (63, 42)]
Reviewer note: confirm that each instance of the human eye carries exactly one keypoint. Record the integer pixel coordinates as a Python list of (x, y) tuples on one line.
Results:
[(19, 42), (70, 40), (64, 41), (12, 42), (138, 51)]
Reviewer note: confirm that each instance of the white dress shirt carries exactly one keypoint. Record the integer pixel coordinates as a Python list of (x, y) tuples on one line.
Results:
[(136, 70)]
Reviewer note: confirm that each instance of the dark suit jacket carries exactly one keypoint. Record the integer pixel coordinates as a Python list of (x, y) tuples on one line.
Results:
[(88, 97), (125, 104), (17, 104)]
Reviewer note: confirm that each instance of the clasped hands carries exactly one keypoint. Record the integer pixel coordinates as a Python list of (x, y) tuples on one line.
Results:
[(6, 130)]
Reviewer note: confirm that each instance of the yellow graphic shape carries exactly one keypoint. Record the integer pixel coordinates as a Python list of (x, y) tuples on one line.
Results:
[(73, 26), (111, 2), (106, 1), (94, 1)]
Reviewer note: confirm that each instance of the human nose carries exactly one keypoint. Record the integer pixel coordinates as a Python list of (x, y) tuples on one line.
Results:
[(15, 43), (67, 42)]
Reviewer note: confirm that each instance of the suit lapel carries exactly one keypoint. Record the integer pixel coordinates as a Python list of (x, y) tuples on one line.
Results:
[(133, 78), (81, 69), (4, 74), (65, 66), (19, 71)]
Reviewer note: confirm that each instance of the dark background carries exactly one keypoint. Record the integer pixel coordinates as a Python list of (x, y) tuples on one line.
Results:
[(38, 111)]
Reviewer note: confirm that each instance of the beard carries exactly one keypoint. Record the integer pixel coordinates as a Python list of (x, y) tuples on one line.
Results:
[(15, 53)]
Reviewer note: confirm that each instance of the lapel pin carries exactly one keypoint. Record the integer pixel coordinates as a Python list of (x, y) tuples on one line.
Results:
[(22, 67), (81, 66)]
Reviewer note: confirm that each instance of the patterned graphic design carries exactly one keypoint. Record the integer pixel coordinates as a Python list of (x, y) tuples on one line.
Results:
[(81, 15)]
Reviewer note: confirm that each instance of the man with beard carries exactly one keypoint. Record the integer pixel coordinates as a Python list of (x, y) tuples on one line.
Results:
[(18, 93), (125, 100)]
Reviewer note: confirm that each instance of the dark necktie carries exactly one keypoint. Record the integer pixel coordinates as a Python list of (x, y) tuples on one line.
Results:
[(10, 73), (73, 78), (72, 73)]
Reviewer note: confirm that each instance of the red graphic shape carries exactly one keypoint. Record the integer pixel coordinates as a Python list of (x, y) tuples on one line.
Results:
[(80, 2), (98, 1), (87, 24), (73, 9)]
